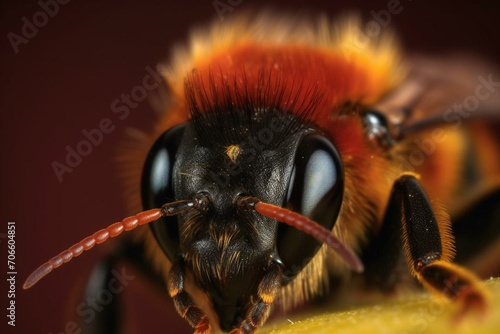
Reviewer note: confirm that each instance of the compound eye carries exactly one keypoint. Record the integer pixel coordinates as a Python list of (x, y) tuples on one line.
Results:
[(157, 187), (315, 190)]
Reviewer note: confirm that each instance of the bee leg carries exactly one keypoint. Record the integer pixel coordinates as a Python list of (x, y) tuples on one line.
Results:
[(108, 279), (428, 246), (258, 313), (384, 260), (107, 317), (183, 302)]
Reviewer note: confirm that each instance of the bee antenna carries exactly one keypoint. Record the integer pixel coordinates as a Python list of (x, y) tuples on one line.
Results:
[(113, 230), (306, 225)]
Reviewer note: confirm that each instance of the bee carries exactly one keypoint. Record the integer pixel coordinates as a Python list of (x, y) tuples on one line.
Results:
[(290, 151)]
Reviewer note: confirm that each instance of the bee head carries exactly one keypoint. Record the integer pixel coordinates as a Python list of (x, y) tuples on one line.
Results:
[(270, 155)]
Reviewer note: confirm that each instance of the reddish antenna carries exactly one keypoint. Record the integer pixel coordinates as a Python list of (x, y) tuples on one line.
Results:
[(307, 225), (113, 230)]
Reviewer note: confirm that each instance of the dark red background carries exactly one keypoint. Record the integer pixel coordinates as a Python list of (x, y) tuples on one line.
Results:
[(64, 80)]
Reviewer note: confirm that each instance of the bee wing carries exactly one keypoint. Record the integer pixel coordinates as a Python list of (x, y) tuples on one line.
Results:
[(441, 90)]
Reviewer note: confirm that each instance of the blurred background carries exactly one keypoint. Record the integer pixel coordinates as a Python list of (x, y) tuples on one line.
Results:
[(63, 79)]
